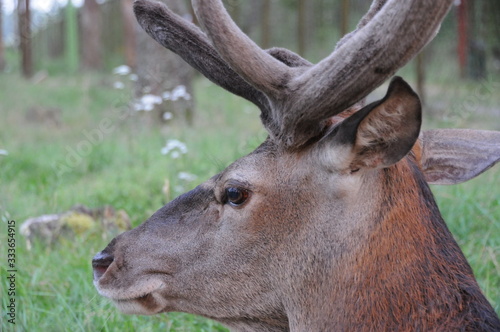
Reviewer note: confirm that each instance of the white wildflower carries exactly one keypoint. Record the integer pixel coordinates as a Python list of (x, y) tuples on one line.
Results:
[(180, 92), (151, 99), (134, 77), (167, 116), (122, 70), (4, 152), (147, 103), (175, 148), (119, 85), (187, 176)]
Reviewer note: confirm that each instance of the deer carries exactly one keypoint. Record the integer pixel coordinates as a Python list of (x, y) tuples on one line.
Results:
[(330, 224)]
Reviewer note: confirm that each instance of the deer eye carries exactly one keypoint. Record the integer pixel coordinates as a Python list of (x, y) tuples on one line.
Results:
[(236, 196)]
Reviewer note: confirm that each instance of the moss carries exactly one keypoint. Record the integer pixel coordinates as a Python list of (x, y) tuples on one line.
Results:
[(79, 223)]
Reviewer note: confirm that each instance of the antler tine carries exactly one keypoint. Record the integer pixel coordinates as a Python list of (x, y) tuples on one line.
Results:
[(257, 67), (392, 36)]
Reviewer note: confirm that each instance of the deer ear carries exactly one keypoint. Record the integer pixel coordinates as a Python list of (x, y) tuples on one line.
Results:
[(383, 132), (451, 156)]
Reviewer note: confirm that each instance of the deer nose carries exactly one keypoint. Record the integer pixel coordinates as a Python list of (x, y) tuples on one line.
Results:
[(100, 264)]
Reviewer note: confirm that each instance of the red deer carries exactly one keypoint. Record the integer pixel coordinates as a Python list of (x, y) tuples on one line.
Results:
[(330, 224)]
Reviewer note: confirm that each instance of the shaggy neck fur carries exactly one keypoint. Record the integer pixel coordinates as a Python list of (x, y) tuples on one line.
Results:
[(411, 274)]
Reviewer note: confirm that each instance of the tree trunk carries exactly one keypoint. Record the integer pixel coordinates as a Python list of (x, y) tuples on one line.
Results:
[(463, 40), (56, 39), (492, 13), (161, 71), (420, 68), (129, 27), (24, 22), (476, 59), (91, 35), (266, 24), (319, 13), (302, 26), (2, 47), (344, 27), (71, 40)]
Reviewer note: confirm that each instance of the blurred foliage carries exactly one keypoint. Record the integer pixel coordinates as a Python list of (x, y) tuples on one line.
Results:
[(323, 18)]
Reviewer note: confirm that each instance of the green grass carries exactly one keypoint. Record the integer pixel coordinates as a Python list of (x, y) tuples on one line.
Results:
[(125, 169)]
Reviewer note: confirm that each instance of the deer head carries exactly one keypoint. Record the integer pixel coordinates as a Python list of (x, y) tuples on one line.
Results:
[(330, 224)]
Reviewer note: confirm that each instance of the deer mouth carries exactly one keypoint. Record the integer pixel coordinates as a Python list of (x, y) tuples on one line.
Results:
[(140, 299), (148, 304)]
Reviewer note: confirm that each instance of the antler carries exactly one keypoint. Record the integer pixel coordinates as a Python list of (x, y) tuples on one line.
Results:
[(295, 97), (189, 42), (257, 67), (301, 98)]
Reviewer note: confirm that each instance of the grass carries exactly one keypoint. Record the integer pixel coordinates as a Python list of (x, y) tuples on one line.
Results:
[(123, 167)]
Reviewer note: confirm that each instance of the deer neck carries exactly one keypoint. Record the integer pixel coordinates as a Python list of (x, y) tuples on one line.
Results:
[(403, 268)]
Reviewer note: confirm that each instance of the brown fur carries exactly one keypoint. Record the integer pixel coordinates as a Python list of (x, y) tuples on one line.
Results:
[(398, 285)]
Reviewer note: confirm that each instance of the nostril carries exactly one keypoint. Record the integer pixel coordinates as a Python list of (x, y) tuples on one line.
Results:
[(100, 264)]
